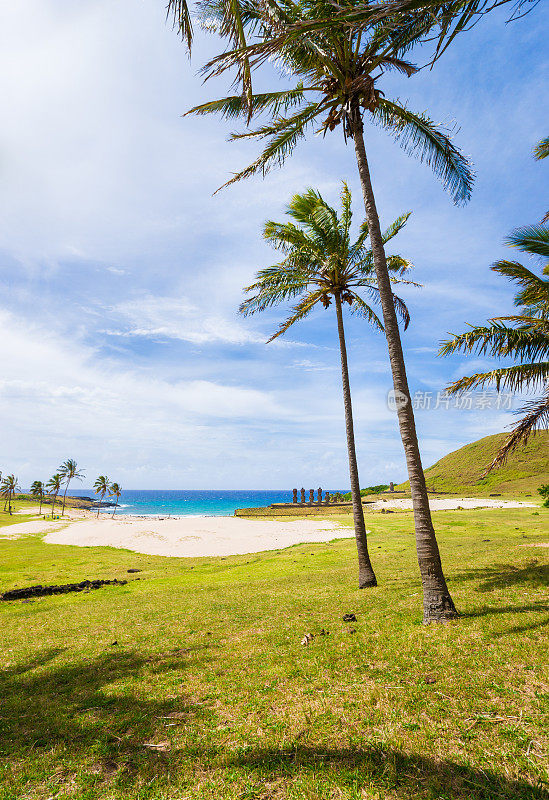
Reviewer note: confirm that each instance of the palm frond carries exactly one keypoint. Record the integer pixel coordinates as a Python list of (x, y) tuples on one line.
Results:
[(515, 378), (499, 341), (533, 239), (362, 309), (284, 135), (300, 311), (535, 292), (235, 106), (178, 10), (535, 416), (542, 149), (396, 226), (420, 136)]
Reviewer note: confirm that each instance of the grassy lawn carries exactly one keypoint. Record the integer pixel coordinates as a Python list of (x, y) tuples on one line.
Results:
[(191, 681)]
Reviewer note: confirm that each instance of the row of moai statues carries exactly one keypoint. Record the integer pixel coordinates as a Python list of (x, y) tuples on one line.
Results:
[(311, 496)]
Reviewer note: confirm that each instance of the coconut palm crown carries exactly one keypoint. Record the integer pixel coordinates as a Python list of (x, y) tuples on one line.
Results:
[(321, 263), (38, 489), (69, 471), (336, 71), (102, 487)]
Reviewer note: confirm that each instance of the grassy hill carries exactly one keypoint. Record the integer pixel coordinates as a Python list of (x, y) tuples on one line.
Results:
[(460, 471)]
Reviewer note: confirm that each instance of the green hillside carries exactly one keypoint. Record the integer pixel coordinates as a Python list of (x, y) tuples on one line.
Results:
[(526, 469)]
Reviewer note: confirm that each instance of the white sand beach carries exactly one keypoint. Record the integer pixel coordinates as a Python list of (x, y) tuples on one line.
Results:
[(188, 537), (195, 536)]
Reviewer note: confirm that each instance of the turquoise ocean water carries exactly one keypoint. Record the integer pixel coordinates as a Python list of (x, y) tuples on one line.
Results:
[(192, 502)]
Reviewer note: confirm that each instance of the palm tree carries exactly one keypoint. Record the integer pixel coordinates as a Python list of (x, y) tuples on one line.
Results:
[(523, 336), (101, 487), (68, 471), (54, 487), (337, 69), (321, 264), (115, 491), (8, 489), (37, 490)]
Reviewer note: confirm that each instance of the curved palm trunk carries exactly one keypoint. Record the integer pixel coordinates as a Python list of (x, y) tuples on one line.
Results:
[(366, 576), (65, 496), (99, 506), (437, 602), (115, 506)]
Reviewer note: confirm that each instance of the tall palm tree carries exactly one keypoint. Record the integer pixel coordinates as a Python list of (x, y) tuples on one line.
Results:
[(8, 488), (322, 264), (37, 490), (69, 471), (337, 70), (54, 488), (101, 487), (523, 336), (115, 491)]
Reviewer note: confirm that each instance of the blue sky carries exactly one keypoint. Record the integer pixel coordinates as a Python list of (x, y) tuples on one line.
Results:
[(121, 273)]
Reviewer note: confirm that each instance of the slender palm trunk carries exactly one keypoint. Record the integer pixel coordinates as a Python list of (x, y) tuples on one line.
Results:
[(99, 506), (53, 505), (366, 576), (115, 507), (437, 602), (40, 509), (65, 496)]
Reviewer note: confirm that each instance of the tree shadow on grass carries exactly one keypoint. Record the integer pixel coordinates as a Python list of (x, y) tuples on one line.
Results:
[(386, 770), (88, 710), (503, 576)]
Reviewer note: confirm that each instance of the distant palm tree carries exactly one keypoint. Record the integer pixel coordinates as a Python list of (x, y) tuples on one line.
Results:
[(115, 491), (37, 490), (322, 264), (8, 489), (101, 486), (54, 487), (69, 471)]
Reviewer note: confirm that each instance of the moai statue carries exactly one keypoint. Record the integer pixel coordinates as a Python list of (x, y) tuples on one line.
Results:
[(311, 495), (327, 498), (320, 495), (302, 495), (294, 498), (391, 486)]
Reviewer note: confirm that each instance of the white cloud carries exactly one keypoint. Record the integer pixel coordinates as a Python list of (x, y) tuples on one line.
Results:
[(178, 318)]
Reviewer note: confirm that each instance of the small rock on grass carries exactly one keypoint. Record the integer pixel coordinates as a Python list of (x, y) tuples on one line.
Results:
[(307, 639), (349, 618)]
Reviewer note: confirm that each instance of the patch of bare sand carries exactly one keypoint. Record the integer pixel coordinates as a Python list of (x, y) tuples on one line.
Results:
[(193, 537), (24, 528), (448, 504)]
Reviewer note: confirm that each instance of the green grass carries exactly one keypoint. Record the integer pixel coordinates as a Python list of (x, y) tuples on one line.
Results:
[(208, 666), (460, 472)]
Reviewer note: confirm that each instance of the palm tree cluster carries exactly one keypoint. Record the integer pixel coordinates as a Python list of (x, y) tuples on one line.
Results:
[(59, 483), (9, 486), (104, 487)]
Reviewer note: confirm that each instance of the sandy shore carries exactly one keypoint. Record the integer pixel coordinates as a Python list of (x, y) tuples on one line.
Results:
[(195, 536), (213, 536)]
